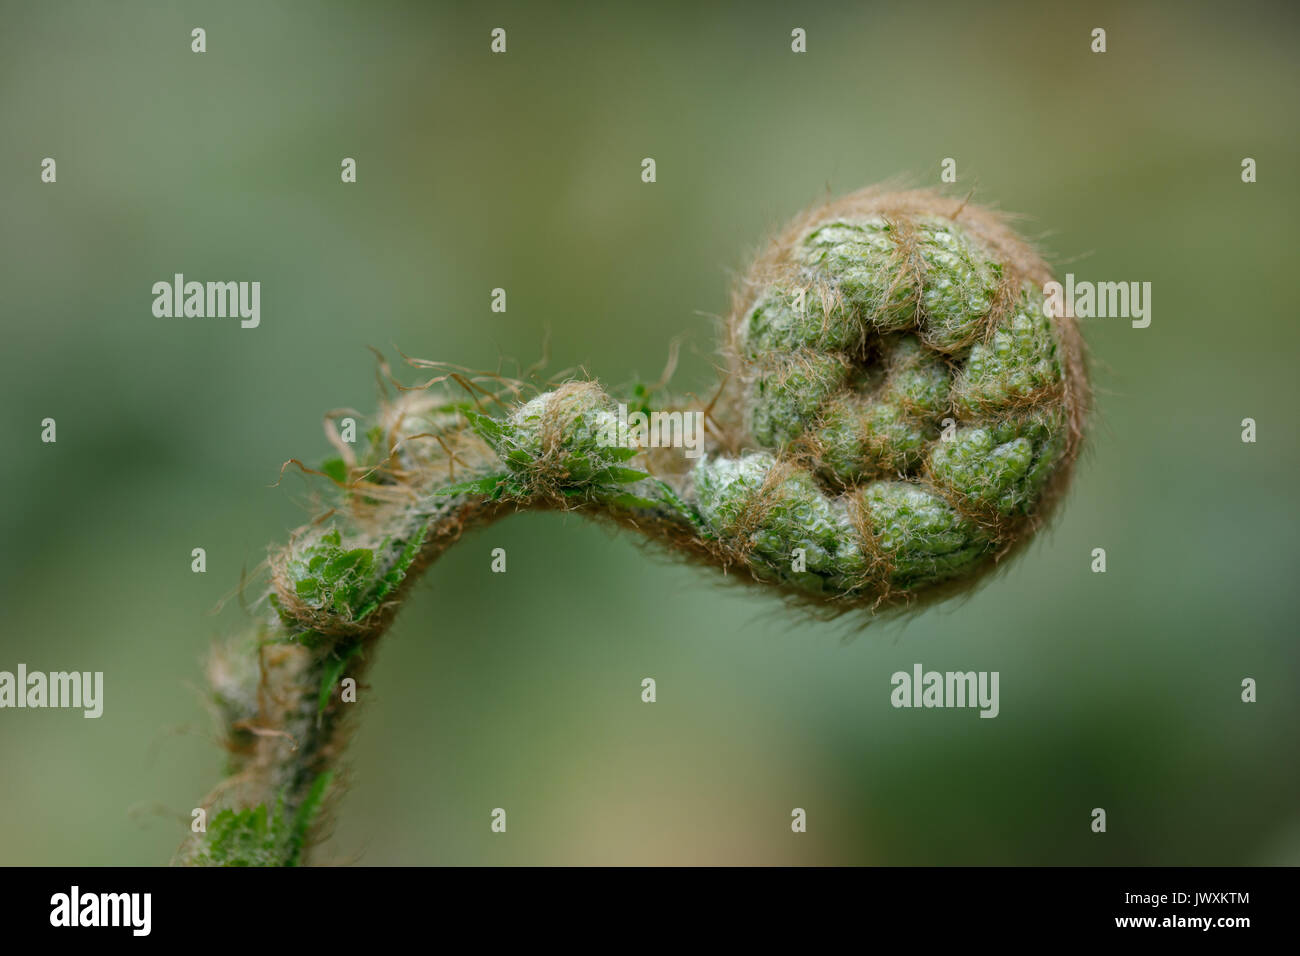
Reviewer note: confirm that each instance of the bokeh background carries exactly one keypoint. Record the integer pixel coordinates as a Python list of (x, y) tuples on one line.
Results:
[(522, 171)]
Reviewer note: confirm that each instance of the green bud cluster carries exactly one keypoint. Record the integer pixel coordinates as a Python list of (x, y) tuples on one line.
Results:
[(908, 393)]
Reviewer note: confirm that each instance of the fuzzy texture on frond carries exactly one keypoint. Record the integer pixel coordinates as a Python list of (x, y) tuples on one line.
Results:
[(897, 416)]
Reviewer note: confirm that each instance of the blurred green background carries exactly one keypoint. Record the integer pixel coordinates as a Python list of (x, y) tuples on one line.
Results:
[(523, 171)]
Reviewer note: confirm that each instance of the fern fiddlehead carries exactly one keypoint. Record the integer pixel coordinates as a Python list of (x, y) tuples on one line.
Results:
[(899, 413)]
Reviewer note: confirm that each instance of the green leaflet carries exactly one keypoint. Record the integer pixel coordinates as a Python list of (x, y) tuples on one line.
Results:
[(334, 668), (615, 475), (336, 469), (350, 583), (258, 836), (306, 816), (478, 486)]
